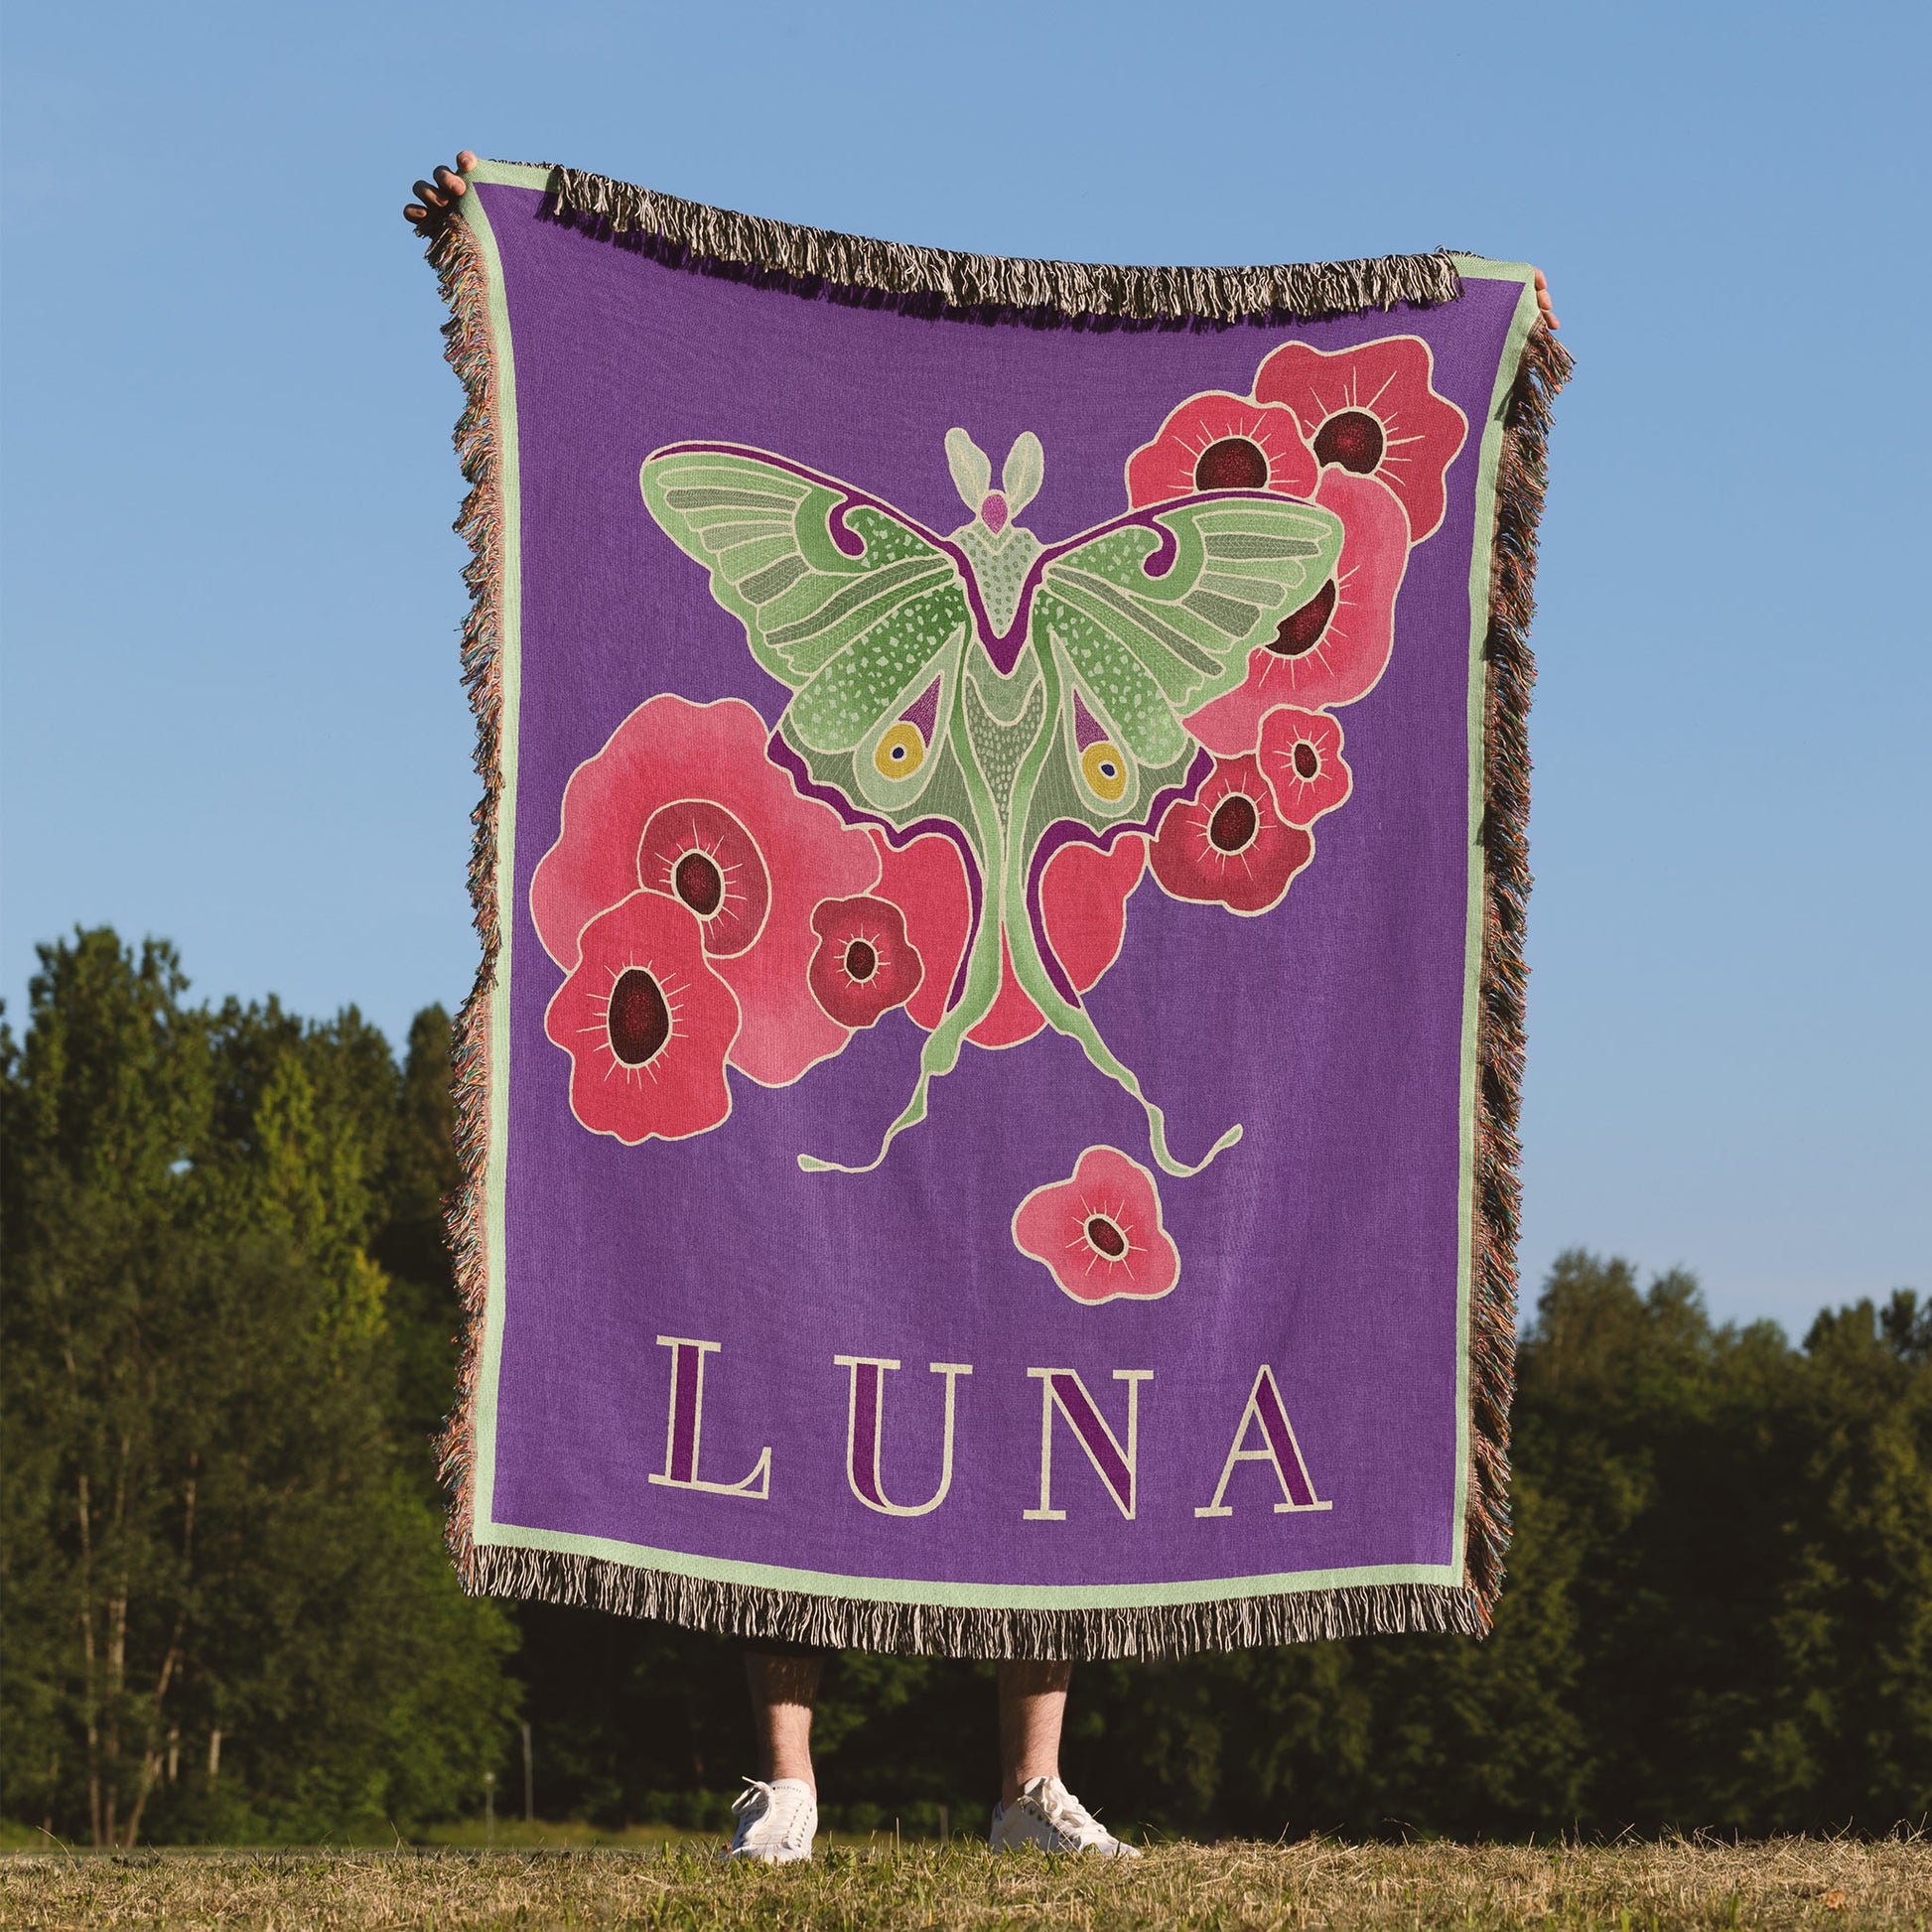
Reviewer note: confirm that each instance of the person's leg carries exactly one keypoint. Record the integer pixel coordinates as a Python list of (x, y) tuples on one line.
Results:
[(778, 1812), (1032, 1707), (1036, 1808), (784, 1684)]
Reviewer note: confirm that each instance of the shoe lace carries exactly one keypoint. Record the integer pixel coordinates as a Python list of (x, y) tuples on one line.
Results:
[(759, 1801), (1069, 1816)]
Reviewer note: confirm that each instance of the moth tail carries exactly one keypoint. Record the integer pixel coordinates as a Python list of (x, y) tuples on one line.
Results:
[(1122, 1076), (1075, 1024), (915, 1113)]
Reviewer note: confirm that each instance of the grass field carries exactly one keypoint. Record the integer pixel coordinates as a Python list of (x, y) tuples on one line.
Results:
[(1627, 1887)]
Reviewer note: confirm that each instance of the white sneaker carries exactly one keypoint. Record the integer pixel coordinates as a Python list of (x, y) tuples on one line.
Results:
[(1048, 1815), (776, 1821)]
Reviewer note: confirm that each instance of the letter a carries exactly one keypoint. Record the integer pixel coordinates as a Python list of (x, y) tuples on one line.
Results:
[(864, 1425), (1063, 1389), (1277, 1446), (681, 1435)]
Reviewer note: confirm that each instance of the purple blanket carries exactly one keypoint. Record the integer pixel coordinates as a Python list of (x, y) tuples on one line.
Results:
[(987, 1104)]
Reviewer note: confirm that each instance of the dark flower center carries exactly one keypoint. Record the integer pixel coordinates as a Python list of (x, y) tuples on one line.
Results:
[(1301, 630), (638, 1020), (1107, 1238), (861, 962), (1307, 760), (699, 884), (1234, 824), (1231, 463), (1353, 438)]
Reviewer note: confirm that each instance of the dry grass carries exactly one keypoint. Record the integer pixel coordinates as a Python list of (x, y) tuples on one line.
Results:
[(1627, 1887)]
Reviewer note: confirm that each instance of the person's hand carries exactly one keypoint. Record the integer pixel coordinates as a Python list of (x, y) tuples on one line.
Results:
[(1542, 287), (435, 198)]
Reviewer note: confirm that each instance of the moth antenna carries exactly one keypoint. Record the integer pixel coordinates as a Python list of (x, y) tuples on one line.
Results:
[(1025, 466), (972, 469)]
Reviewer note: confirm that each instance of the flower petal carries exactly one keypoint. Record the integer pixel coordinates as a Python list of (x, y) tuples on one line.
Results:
[(864, 966), (647, 1023), (1099, 1232), (1217, 441), (927, 879), (1228, 844), (1300, 758), (1373, 410)]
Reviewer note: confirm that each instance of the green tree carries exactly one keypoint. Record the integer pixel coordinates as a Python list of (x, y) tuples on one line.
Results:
[(228, 1610)]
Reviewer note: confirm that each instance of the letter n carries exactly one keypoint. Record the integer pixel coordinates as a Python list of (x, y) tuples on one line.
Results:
[(1277, 1446), (864, 1425), (1063, 1390), (686, 1425)]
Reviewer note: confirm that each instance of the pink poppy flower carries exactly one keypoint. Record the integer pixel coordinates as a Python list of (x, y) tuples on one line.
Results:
[(646, 1023), (1300, 758), (684, 802), (1229, 844), (1098, 1232), (864, 966), (1220, 442), (1373, 411), (1335, 648)]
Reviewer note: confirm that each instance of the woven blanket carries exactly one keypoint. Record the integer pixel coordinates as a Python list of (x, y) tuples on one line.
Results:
[(988, 1102)]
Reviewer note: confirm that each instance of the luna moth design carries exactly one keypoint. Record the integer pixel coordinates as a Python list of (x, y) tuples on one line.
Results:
[(991, 683)]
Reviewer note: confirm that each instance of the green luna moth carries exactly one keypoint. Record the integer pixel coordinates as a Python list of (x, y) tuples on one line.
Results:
[(987, 679)]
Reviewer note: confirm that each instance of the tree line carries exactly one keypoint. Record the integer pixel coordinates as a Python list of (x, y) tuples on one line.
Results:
[(226, 1341)]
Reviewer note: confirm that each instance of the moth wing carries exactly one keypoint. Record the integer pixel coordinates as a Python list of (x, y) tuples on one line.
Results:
[(842, 598), (1140, 647)]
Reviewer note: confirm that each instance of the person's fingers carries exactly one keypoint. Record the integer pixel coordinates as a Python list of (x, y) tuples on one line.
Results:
[(434, 198)]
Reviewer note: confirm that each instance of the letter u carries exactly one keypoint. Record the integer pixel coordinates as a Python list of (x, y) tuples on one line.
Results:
[(865, 1429)]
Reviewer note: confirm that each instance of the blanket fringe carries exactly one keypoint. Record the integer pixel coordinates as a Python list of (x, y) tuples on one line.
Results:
[(1520, 482), (1159, 1630), (468, 346), (988, 288)]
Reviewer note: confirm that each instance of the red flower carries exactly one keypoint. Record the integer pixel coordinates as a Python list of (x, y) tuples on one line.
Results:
[(1300, 758), (1083, 894), (1335, 648), (1099, 1232), (699, 852), (864, 966), (1221, 442), (1229, 844), (647, 1023), (1372, 410), (684, 802)]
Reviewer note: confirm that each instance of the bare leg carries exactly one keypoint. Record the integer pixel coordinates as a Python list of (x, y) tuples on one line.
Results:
[(1032, 1704), (782, 1690)]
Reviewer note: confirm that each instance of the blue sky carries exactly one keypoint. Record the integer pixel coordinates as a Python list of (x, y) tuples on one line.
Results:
[(230, 705)]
